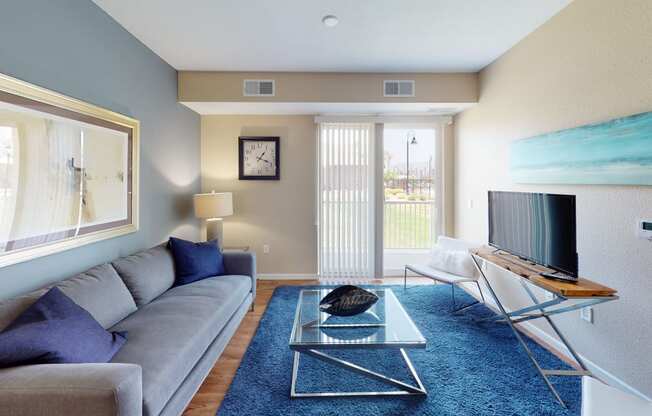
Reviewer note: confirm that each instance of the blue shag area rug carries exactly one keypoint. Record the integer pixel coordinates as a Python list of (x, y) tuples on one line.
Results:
[(468, 368)]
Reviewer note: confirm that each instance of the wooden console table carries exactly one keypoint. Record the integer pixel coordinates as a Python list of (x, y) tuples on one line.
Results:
[(566, 297)]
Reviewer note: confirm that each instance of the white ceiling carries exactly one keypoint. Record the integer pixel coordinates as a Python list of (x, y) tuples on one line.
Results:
[(372, 36)]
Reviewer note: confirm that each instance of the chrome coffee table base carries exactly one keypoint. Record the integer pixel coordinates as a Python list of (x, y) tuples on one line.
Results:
[(404, 388), (315, 335)]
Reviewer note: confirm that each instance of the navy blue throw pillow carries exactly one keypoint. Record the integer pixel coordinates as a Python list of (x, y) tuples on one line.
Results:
[(55, 330), (195, 261)]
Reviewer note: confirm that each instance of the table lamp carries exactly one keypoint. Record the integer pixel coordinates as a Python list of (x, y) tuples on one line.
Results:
[(212, 207)]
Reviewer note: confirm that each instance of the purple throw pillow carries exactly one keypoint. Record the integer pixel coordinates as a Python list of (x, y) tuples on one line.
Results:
[(55, 330), (195, 261)]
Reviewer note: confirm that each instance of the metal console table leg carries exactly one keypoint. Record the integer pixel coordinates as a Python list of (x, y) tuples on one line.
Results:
[(585, 371), (517, 334)]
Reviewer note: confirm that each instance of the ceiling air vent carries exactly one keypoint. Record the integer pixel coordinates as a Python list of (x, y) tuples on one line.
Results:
[(259, 88), (398, 88)]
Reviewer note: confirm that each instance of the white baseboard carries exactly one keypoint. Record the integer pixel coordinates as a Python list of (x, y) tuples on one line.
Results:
[(599, 372), (398, 273), (286, 276), (552, 342), (308, 276)]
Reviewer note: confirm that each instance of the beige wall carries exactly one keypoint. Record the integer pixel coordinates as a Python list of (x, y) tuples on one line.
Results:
[(279, 213), (327, 87), (591, 62)]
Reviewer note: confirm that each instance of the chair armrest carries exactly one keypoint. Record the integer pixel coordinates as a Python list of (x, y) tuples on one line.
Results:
[(242, 263), (72, 389)]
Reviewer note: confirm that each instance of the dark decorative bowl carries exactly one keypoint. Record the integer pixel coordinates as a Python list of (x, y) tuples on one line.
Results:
[(347, 301)]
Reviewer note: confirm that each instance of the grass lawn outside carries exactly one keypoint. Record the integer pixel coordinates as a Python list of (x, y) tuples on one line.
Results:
[(408, 224)]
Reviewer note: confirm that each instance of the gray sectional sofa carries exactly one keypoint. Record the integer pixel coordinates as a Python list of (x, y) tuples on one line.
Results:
[(175, 335)]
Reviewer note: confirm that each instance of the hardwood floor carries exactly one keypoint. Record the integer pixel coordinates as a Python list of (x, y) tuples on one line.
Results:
[(210, 394)]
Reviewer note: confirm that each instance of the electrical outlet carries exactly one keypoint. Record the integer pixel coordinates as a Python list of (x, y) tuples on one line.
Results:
[(586, 313), (266, 249), (470, 204)]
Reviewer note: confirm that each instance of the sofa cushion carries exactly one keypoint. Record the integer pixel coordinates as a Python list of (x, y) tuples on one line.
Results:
[(98, 290), (169, 335), (147, 274), (10, 309), (102, 293), (195, 261), (55, 330)]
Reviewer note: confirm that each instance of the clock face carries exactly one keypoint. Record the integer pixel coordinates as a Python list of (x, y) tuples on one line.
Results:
[(259, 159)]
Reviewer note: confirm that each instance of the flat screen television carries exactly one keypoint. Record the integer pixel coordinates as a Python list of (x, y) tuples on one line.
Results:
[(537, 227)]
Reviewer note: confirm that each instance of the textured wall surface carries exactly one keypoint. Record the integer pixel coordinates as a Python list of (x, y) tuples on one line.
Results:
[(589, 63), (278, 213), (73, 47)]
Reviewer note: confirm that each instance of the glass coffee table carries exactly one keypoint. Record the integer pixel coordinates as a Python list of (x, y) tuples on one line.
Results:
[(385, 325)]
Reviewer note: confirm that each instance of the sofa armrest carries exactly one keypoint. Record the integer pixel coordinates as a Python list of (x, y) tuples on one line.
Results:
[(243, 263), (72, 389)]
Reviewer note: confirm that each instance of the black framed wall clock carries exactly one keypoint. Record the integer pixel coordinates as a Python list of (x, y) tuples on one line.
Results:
[(259, 158)]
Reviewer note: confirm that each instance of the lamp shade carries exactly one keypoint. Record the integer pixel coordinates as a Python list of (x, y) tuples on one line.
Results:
[(213, 205)]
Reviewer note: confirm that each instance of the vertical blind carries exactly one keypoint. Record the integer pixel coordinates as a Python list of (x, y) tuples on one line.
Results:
[(346, 200)]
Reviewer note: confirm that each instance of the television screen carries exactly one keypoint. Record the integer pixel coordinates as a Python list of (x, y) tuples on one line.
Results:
[(536, 227)]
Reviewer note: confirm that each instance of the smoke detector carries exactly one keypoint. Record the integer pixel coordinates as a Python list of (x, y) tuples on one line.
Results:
[(330, 20)]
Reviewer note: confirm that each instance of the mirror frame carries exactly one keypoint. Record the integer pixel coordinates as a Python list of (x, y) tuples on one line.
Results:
[(40, 99)]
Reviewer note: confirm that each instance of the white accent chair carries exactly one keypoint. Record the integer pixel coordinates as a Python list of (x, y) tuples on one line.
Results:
[(599, 399), (424, 270)]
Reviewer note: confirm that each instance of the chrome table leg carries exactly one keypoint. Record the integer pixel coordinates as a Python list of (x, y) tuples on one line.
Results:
[(405, 278), (557, 331), (404, 388), (518, 334)]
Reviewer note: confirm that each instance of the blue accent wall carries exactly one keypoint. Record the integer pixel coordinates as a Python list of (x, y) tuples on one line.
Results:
[(73, 47)]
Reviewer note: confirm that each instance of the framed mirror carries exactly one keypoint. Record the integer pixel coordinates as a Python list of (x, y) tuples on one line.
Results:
[(68, 172)]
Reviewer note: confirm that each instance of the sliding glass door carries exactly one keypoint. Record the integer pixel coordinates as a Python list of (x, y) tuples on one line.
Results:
[(411, 193), (379, 197)]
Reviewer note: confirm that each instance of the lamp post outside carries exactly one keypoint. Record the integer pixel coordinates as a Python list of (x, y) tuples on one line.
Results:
[(408, 142)]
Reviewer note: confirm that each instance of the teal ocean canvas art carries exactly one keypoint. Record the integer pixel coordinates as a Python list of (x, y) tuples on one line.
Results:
[(616, 152)]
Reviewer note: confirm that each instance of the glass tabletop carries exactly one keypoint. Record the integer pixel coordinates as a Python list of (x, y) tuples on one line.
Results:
[(384, 325)]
